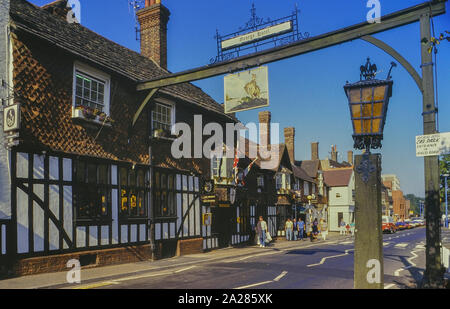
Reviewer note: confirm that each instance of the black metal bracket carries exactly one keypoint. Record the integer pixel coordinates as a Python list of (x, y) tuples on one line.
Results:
[(366, 168)]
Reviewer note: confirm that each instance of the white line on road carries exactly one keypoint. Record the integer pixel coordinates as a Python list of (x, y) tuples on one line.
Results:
[(401, 245), (386, 244), (330, 257), (253, 285), (280, 276), (389, 286)]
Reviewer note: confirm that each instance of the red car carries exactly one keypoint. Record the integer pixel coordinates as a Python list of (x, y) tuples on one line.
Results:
[(388, 225)]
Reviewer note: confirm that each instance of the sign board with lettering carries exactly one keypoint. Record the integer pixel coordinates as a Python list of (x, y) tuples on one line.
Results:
[(433, 144), (258, 35)]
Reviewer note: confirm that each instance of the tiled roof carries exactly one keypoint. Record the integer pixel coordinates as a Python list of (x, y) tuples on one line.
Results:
[(84, 43), (338, 177), (311, 167)]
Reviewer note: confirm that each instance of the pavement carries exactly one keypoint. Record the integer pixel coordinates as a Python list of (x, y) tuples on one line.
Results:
[(165, 266)]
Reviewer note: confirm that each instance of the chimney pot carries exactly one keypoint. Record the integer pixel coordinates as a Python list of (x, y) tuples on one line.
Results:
[(315, 151), (350, 157), (153, 20), (264, 127), (289, 139)]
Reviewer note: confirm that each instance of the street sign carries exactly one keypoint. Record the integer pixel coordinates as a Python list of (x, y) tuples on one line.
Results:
[(258, 35), (433, 144)]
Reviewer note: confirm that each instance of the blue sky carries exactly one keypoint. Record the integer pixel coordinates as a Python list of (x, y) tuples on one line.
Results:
[(305, 91)]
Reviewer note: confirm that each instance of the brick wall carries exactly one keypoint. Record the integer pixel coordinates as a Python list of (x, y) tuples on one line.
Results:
[(94, 258), (153, 21), (190, 246)]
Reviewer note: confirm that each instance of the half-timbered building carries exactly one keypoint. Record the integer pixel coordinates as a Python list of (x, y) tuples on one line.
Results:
[(85, 182)]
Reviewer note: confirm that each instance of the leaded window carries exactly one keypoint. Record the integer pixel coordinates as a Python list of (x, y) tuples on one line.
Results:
[(133, 197), (164, 195), (162, 117), (91, 189), (89, 91)]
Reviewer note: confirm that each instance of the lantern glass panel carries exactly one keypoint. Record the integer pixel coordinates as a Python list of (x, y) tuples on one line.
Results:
[(356, 111), (377, 109), (357, 125), (367, 110), (355, 96), (376, 126), (367, 128), (367, 94), (379, 93)]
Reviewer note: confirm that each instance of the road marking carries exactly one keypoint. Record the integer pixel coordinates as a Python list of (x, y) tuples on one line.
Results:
[(280, 276), (386, 244), (419, 247), (401, 245), (252, 285), (118, 281), (330, 257), (389, 286), (95, 285), (346, 242)]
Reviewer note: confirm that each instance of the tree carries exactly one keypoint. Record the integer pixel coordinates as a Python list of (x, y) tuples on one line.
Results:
[(415, 202)]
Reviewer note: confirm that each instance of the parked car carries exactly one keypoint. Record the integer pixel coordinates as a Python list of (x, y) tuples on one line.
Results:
[(388, 225), (400, 225)]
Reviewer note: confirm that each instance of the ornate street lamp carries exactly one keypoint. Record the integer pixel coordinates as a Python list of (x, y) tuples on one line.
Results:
[(368, 101)]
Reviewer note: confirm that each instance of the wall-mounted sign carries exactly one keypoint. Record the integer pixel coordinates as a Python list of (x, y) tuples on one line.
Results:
[(433, 144), (11, 118), (246, 90), (258, 35), (207, 219)]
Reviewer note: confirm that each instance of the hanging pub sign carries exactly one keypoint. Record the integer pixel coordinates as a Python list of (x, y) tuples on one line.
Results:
[(257, 36), (246, 90), (11, 118)]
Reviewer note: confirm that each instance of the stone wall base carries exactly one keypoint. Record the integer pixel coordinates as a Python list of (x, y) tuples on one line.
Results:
[(88, 259)]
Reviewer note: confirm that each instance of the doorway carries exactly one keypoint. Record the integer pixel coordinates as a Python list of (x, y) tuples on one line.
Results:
[(222, 224)]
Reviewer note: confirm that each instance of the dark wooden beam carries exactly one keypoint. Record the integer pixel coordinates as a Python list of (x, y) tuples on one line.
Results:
[(391, 21)]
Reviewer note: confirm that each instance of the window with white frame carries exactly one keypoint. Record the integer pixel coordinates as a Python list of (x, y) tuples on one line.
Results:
[(306, 186), (162, 117), (260, 181), (287, 181), (91, 88), (279, 181)]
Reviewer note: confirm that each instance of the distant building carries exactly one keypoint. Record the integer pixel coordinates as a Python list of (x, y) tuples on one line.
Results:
[(341, 202)]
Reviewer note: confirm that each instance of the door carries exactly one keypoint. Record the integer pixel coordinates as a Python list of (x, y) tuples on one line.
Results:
[(223, 224)]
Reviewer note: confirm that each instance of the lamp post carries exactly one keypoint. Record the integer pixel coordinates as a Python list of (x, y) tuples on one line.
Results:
[(368, 102)]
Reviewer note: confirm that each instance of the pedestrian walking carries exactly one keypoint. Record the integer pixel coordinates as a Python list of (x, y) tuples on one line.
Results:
[(289, 227), (352, 228), (342, 228), (315, 230), (301, 228), (295, 229), (261, 229)]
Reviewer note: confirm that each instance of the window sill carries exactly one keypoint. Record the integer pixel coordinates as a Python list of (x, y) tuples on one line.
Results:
[(93, 221), (78, 115)]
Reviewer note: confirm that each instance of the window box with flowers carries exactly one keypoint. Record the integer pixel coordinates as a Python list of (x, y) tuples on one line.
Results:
[(91, 95), (91, 115)]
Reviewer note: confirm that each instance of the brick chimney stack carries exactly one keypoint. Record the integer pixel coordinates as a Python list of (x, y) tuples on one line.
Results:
[(289, 139), (153, 20), (334, 153), (350, 157), (315, 151), (264, 128)]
